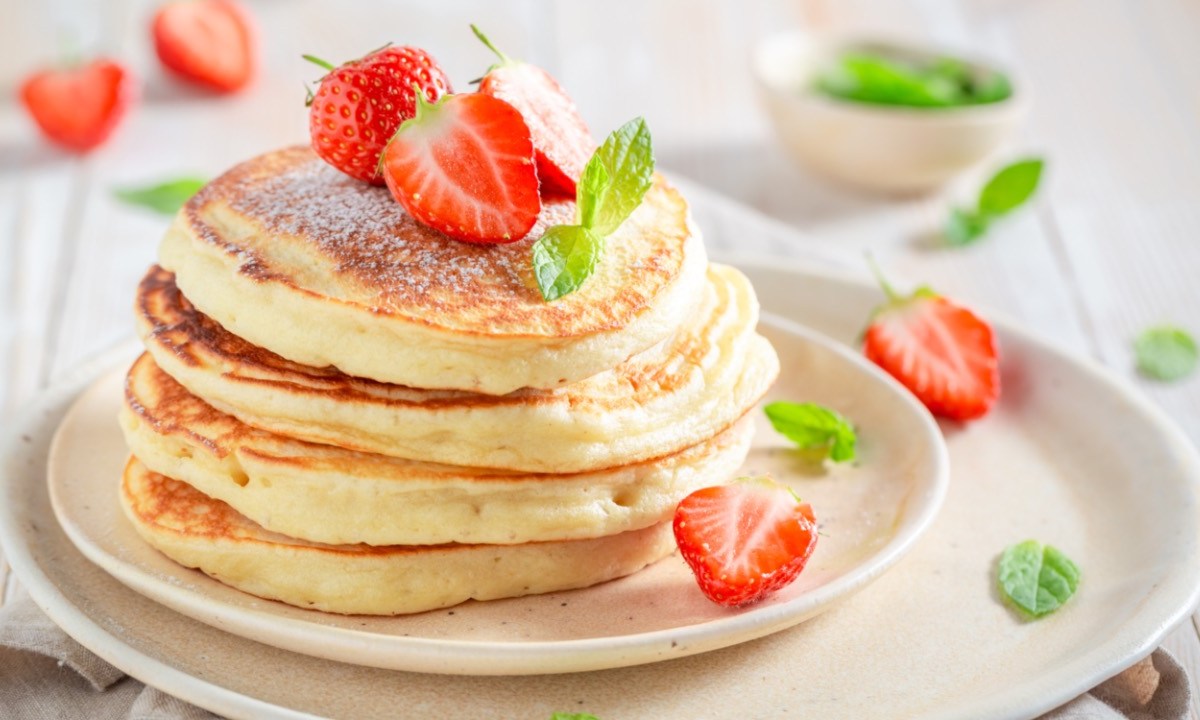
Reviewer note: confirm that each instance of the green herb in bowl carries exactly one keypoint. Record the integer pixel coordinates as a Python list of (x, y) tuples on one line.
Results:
[(878, 78)]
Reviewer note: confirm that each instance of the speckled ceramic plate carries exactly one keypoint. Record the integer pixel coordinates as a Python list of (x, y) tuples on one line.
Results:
[(1070, 456), (870, 514)]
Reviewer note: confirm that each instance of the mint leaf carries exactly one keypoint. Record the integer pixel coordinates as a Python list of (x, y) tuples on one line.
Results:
[(573, 716), (1165, 353), (1037, 578), (882, 79), (1010, 187), (1007, 190), (591, 191), (165, 198), (563, 258), (964, 227), (628, 157), (611, 187), (814, 427)]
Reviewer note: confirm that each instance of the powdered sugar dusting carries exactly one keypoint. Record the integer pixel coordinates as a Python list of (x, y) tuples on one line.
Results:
[(366, 234), (314, 227)]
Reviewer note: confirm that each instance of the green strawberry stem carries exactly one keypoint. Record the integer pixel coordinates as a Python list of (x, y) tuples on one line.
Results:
[(423, 108), (768, 482), (423, 105), (319, 62), (504, 59), (892, 295), (70, 53)]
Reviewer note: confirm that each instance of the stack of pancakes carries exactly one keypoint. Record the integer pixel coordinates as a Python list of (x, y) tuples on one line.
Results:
[(342, 409)]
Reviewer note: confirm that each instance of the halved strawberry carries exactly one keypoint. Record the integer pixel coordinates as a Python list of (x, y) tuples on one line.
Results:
[(464, 166), (744, 540), (79, 107), (207, 42), (559, 133), (941, 351), (361, 104)]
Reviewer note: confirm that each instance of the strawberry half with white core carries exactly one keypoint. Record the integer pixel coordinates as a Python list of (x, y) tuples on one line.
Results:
[(941, 351), (361, 104), (745, 540), (560, 136), (464, 166)]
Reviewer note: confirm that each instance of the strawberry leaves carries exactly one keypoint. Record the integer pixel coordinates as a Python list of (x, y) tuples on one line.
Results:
[(612, 186)]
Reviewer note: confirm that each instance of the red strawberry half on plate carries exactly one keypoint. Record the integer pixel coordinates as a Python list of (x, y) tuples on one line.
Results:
[(942, 352), (745, 540)]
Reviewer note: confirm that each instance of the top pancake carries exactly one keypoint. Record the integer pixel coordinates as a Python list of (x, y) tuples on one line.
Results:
[(293, 256)]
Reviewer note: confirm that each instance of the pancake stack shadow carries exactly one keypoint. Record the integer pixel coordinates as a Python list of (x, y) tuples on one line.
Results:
[(343, 410)]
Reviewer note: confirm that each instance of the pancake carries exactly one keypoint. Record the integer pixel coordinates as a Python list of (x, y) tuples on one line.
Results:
[(200, 532), (674, 396), (330, 495), (295, 257)]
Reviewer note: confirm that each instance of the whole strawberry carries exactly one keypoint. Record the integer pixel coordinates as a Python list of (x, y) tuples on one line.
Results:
[(79, 107), (361, 104), (745, 540), (941, 351)]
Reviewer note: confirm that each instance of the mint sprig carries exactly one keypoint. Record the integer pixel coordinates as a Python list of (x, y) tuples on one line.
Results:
[(611, 187), (814, 428), (1007, 190), (564, 257), (1037, 579), (1166, 353), (165, 198), (628, 159), (573, 716)]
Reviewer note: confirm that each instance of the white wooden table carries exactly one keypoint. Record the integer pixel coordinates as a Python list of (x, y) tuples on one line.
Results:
[(1111, 245)]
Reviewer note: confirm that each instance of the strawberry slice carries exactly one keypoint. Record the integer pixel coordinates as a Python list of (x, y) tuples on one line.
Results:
[(206, 42), (360, 105), (941, 351), (464, 166), (560, 136), (78, 108), (745, 540)]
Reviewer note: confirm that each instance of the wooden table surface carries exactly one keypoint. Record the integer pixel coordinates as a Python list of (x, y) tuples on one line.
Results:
[(1111, 245)]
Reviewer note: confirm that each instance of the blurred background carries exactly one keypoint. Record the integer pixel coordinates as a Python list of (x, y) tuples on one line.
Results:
[(1107, 247)]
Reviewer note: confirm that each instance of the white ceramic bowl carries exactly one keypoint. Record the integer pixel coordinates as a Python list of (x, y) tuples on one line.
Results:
[(882, 148)]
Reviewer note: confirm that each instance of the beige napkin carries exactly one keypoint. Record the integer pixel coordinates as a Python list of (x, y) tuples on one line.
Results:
[(45, 675)]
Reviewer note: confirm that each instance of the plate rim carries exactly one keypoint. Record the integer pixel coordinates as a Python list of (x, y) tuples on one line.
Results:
[(1036, 697), (507, 658), (70, 618), (1027, 700)]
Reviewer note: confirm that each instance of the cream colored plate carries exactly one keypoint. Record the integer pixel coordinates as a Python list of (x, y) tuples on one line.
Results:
[(1070, 456), (869, 515)]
